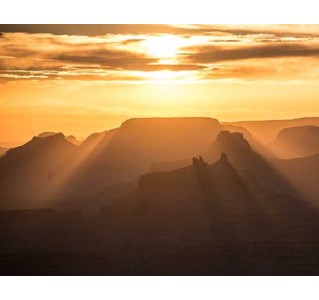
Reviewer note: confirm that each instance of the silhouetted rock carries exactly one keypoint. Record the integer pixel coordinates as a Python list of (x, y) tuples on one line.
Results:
[(223, 157), (71, 138), (195, 199), (195, 162)]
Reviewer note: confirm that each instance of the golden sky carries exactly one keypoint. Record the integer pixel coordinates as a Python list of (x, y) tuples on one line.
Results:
[(80, 79)]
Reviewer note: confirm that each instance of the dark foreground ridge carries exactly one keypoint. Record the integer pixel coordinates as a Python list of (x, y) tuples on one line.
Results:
[(199, 220)]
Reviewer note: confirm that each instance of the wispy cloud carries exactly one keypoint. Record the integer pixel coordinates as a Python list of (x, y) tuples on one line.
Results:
[(118, 52), (213, 54)]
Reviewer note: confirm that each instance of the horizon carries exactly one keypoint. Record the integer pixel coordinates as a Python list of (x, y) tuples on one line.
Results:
[(17, 143), (80, 79)]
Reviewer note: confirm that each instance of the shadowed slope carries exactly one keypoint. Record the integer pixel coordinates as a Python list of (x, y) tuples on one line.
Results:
[(201, 199), (303, 174)]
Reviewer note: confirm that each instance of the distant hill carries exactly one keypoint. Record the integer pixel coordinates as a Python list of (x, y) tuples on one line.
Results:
[(72, 139), (266, 131), (46, 134), (29, 174), (296, 142)]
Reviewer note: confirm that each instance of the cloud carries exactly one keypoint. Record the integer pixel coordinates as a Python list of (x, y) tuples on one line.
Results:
[(243, 72), (113, 59), (279, 30), (94, 29), (85, 58), (213, 54), (214, 51), (280, 69), (91, 30)]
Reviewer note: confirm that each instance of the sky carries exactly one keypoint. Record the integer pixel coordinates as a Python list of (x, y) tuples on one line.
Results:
[(80, 79)]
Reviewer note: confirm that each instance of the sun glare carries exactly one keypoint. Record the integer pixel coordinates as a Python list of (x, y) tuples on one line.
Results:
[(162, 75), (163, 46), (166, 76)]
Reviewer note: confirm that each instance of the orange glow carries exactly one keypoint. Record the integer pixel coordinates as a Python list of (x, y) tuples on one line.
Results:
[(79, 84)]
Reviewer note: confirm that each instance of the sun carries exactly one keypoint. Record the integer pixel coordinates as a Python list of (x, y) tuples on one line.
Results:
[(166, 46)]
